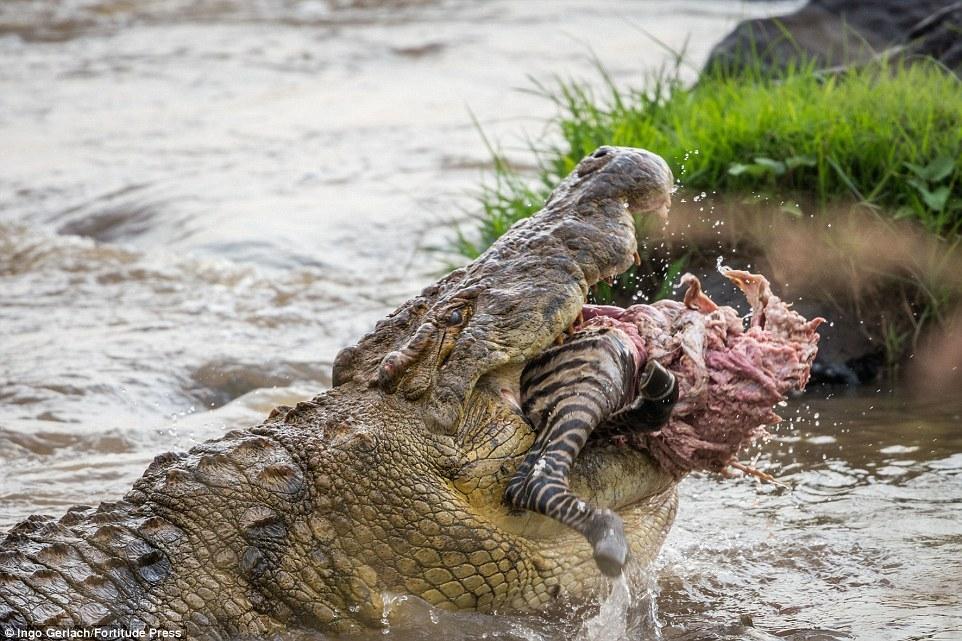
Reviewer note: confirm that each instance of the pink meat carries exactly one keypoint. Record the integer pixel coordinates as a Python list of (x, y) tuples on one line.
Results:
[(730, 377)]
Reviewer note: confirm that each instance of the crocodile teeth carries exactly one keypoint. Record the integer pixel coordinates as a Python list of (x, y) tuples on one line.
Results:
[(578, 322)]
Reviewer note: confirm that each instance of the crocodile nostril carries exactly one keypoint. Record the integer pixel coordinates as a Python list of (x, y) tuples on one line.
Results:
[(601, 153)]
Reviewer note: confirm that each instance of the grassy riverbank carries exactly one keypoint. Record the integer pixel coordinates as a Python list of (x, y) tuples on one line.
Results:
[(889, 138), (884, 141)]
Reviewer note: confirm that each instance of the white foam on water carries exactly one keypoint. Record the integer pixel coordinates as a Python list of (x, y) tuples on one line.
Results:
[(611, 622), (630, 610)]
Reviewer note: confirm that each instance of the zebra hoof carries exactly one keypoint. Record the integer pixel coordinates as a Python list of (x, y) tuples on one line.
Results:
[(611, 549)]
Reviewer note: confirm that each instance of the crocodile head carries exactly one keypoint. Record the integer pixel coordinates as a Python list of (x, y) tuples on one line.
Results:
[(519, 296), (454, 354)]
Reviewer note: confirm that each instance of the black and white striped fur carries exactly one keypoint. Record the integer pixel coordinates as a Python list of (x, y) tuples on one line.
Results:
[(566, 393)]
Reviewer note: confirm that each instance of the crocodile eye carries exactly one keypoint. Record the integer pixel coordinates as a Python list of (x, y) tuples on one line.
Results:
[(455, 318)]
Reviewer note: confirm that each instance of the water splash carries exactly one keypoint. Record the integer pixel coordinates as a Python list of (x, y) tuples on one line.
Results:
[(611, 622), (629, 612)]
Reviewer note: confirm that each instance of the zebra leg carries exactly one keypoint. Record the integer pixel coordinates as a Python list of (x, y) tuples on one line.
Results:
[(545, 491), (651, 409), (513, 491), (566, 392)]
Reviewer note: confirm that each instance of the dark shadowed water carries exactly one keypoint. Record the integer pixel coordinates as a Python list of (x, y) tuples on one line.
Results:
[(200, 202)]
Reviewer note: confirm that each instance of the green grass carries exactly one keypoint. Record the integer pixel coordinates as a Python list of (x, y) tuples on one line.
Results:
[(886, 136)]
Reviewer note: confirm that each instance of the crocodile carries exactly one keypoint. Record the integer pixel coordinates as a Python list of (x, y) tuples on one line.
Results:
[(391, 482)]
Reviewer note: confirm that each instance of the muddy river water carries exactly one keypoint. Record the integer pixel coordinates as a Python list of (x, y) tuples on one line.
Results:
[(200, 202)]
